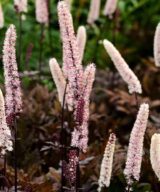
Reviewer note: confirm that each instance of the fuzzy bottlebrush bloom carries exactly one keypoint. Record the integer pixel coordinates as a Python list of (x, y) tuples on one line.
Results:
[(58, 77), (127, 74), (13, 95), (1, 17), (81, 40), (135, 149), (5, 134), (157, 46), (106, 166), (155, 154), (42, 15), (81, 116), (21, 5), (72, 67), (94, 11), (110, 7)]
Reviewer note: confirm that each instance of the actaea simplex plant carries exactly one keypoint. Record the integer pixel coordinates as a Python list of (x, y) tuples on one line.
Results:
[(74, 85)]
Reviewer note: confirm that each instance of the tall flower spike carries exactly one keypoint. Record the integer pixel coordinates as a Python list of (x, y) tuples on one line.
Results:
[(21, 5), (42, 11), (13, 95), (81, 115), (110, 7), (81, 40), (155, 154), (1, 17), (135, 149), (94, 11), (58, 78), (106, 166), (5, 134), (127, 74), (72, 67), (157, 46)]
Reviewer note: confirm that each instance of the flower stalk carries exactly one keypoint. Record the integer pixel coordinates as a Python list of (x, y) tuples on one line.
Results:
[(20, 7), (42, 17), (15, 155), (41, 47), (20, 38)]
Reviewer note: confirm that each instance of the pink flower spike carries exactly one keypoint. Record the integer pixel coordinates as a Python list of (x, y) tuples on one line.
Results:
[(58, 78), (42, 11), (127, 74), (5, 134), (72, 67), (106, 166), (155, 154), (81, 40), (94, 11), (80, 133), (13, 97), (1, 17), (135, 149), (157, 46)]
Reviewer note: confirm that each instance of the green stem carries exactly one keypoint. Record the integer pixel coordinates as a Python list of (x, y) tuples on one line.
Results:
[(41, 48)]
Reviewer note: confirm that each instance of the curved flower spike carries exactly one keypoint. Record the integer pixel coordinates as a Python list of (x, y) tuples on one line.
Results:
[(5, 134), (1, 17), (155, 154), (127, 74), (157, 46)]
